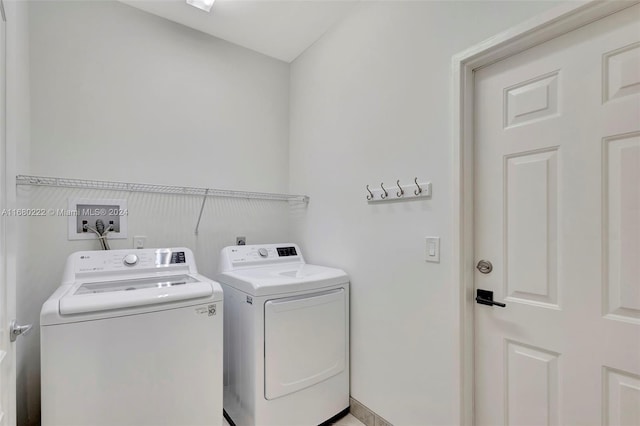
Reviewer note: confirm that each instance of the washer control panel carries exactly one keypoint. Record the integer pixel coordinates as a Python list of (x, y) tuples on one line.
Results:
[(116, 260), (130, 259), (259, 255), (287, 251)]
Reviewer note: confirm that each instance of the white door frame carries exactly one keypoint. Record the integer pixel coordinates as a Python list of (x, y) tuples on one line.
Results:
[(540, 29)]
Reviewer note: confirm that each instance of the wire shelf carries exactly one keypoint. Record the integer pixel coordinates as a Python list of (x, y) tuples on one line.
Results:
[(156, 189)]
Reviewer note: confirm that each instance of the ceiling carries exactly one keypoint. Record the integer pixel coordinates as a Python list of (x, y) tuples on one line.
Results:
[(282, 29)]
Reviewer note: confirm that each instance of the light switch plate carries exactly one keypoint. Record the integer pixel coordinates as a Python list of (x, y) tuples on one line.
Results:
[(432, 249)]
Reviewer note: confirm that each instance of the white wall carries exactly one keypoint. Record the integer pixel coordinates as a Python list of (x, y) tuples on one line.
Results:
[(119, 94), (370, 102)]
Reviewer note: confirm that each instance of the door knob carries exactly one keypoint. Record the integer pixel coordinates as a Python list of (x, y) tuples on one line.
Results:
[(484, 266), (16, 330), (485, 297)]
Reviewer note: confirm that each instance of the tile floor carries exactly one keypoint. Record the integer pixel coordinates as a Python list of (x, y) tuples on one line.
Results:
[(347, 420)]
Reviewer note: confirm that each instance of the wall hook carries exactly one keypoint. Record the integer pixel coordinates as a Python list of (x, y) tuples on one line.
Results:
[(370, 196), (401, 193), (386, 194), (419, 190)]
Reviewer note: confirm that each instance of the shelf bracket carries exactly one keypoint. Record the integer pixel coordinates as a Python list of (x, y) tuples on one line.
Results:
[(204, 200)]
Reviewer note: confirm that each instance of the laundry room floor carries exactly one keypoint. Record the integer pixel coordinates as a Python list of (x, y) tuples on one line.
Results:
[(347, 420)]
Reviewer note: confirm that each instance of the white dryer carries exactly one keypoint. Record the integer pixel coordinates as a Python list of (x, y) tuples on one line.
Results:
[(286, 337), (132, 337)]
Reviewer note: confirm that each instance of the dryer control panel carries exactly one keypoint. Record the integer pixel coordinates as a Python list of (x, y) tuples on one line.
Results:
[(240, 257)]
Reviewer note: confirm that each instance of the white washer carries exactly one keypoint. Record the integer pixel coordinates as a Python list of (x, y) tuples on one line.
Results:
[(286, 337), (132, 337)]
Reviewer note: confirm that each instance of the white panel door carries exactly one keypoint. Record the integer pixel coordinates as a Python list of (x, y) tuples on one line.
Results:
[(557, 213), (7, 298)]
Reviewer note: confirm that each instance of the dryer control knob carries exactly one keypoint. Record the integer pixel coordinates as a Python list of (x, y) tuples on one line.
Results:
[(130, 259), (263, 252)]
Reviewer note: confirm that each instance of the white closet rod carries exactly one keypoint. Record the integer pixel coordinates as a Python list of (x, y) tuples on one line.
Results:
[(156, 189)]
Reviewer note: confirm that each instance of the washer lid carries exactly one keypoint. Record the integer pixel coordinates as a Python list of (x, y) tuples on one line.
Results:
[(284, 278), (105, 295)]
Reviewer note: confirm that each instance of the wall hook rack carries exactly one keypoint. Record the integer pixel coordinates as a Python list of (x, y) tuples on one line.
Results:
[(419, 190), (401, 192), (413, 191), (384, 193), (370, 196)]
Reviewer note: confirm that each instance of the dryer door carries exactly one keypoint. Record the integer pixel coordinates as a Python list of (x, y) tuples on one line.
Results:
[(305, 341)]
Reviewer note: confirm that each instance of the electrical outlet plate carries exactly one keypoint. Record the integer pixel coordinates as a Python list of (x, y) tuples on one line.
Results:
[(139, 242), (110, 211)]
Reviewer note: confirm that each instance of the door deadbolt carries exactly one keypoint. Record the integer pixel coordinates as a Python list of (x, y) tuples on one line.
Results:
[(484, 266)]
